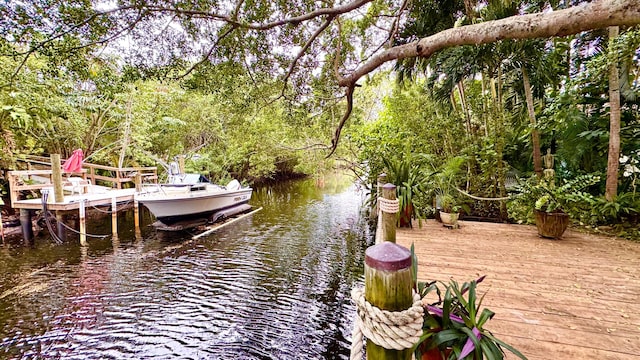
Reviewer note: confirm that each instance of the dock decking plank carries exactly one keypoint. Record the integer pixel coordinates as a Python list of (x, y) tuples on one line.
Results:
[(573, 298)]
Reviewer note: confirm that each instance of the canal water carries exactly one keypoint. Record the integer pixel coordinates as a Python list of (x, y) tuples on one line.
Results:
[(273, 286)]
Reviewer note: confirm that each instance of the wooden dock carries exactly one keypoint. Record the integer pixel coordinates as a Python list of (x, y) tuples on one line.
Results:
[(574, 298), (72, 202), (43, 175)]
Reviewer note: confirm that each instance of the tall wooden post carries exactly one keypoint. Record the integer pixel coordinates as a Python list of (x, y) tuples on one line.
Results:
[(114, 218), (138, 181), (25, 224), (118, 181), (181, 164), (61, 230), (389, 219), (388, 286), (382, 179), (83, 227), (1, 226), (56, 173), (136, 213)]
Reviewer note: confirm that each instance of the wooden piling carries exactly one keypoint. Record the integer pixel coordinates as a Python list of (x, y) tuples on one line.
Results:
[(136, 213), (382, 179), (181, 164), (25, 223), (388, 286), (114, 218), (1, 225), (389, 219), (2, 228), (138, 182), (61, 230), (83, 227), (56, 177)]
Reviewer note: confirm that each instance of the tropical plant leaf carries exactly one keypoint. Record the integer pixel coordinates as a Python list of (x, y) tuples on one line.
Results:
[(506, 346)]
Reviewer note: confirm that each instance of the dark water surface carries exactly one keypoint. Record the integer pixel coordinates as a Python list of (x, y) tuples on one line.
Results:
[(273, 286)]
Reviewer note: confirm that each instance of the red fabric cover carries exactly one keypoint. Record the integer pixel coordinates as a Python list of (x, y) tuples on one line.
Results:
[(74, 162)]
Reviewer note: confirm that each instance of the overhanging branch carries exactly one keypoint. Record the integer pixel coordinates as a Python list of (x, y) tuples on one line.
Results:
[(594, 15)]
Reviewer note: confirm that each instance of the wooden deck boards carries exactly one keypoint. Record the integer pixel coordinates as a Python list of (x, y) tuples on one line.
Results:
[(72, 202), (574, 298)]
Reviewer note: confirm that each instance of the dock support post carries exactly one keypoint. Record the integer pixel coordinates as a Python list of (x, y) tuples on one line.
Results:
[(83, 227), (136, 213), (1, 226), (138, 182), (181, 164), (114, 218), (62, 232), (56, 174), (388, 218), (388, 286), (25, 223), (382, 179)]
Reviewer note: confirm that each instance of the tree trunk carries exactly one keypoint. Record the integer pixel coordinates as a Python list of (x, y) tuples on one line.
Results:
[(465, 109), (484, 107), (126, 136), (614, 122), (535, 136), (500, 142)]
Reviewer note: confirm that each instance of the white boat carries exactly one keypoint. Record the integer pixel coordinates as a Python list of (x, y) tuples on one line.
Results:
[(187, 197)]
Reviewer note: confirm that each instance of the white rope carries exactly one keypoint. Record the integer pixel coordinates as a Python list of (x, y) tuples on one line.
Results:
[(389, 206), (482, 198), (392, 330)]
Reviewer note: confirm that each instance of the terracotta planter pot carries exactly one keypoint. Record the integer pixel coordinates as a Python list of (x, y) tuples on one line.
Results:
[(551, 225), (435, 354), (450, 219), (405, 217)]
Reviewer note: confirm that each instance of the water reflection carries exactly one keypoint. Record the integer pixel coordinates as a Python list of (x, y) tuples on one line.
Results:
[(274, 286)]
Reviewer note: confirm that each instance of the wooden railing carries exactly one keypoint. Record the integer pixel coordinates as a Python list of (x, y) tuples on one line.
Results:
[(119, 176), (109, 175), (39, 170)]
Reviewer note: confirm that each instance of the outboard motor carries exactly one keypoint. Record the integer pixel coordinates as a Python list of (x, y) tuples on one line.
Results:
[(233, 185)]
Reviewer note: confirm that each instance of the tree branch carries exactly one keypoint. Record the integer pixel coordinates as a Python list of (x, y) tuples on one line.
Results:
[(332, 11), (593, 15), (345, 117), (53, 37), (304, 50), (208, 54)]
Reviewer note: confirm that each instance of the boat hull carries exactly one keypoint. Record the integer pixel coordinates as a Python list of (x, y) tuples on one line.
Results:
[(173, 205)]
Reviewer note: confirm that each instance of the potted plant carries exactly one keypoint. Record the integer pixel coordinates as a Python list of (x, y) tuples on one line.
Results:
[(551, 220), (443, 182), (551, 205), (454, 322), (449, 210), (409, 182)]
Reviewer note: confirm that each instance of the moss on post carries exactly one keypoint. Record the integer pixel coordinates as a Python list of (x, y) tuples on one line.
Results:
[(388, 286)]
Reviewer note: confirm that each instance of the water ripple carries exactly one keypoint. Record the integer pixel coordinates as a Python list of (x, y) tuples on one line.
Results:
[(275, 287)]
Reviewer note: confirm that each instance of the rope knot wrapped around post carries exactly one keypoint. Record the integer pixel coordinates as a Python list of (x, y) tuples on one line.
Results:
[(389, 206), (397, 330)]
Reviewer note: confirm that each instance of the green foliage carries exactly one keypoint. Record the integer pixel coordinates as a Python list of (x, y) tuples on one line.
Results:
[(410, 182), (221, 117), (455, 321), (540, 194)]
